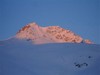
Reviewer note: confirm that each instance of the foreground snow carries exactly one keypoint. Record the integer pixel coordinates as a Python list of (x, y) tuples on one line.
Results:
[(21, 57)]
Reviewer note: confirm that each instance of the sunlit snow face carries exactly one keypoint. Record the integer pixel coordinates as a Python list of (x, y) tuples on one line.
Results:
[(50, 34)]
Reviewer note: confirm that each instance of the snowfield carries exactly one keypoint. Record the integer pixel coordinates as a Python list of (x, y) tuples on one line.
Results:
[(22, 57)]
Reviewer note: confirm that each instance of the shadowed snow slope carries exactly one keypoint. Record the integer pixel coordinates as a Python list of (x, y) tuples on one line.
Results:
[(22, 57)]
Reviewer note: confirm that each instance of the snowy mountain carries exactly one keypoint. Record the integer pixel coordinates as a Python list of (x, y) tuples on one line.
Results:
[(22, 57), (50, 34), (52, 50)]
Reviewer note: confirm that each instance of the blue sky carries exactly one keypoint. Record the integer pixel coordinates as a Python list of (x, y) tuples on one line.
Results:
[(80, 16)]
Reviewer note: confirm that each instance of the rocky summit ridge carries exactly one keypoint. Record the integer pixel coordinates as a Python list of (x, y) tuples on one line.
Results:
[(50, 34)]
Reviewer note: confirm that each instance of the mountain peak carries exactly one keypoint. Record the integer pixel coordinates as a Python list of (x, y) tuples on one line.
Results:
[(30, 25), (50, 34), (33, 24)]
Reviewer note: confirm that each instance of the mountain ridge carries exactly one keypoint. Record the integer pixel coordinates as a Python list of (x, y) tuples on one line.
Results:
[(50, 34)]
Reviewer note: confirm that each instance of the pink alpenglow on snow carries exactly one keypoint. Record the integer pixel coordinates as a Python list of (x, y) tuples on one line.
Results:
[(50, 34)]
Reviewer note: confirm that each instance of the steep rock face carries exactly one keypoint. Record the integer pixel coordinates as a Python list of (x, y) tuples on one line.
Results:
[(62, 35), (50, 34)]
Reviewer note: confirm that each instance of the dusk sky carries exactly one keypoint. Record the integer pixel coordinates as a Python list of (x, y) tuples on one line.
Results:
[(79, 16)]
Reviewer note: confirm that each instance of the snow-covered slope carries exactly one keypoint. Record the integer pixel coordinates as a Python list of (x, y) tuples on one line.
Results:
[(22, 57), (50, 34), (52, 50)]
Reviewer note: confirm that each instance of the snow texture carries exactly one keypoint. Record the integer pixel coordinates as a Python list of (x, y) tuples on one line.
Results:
[(22, 57)]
